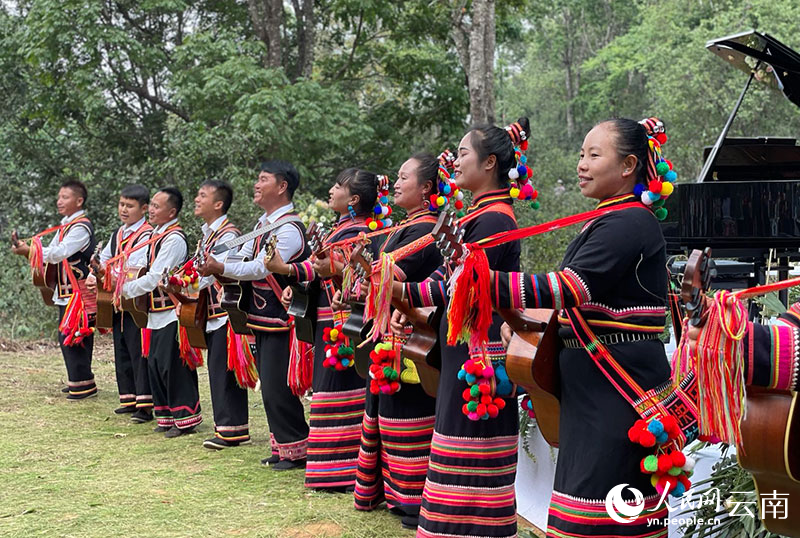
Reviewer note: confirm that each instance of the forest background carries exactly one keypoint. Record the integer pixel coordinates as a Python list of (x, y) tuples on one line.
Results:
[(164, 92)]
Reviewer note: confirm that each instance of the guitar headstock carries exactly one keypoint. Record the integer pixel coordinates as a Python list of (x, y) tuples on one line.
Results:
[(449, 236), (315, 236), (270, 247), (700, 269), (164, 281), (361, 261), (199, 254)]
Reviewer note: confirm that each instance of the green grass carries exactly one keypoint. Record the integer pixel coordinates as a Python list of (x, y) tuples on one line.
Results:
[(77, 469)]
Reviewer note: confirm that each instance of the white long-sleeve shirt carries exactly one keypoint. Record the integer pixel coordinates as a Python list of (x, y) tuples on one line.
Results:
[(206, 281), (137, 258), (290, 243), (76, 239), (172, 252)]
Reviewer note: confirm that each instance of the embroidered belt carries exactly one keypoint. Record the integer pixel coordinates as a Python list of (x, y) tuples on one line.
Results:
[(613, 338)]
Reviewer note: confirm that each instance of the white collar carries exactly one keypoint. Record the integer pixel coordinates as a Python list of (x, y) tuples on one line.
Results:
[(164, 226), (214, 226), (275, 215), (74, 216)]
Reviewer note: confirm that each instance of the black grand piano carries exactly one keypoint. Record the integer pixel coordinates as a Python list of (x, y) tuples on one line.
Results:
[(745, 203)]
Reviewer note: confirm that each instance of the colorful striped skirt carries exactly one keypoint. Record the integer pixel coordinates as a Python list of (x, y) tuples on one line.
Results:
[(395, 447), (595, 454), (469, 491), (337, 409)]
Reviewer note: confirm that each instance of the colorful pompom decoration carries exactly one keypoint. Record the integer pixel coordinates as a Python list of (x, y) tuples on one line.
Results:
[(480, 395), (448, 194), (669, 467), (520, 185), (339, 355), (660, 175), (382, 211), (527, 405), (384, 377), (186, 277), (669, 471)]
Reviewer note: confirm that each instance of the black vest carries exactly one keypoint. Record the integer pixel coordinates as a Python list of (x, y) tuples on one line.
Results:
[(79, 262), (266, 311), (214, 291), (160, 301)]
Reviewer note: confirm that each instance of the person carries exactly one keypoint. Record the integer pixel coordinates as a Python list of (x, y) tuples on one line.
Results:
[(337, 404), (72, 246), (228, 399), (469, 488), (130, 367), (273, 192), (173, 380), (397, 427), (613, 273)]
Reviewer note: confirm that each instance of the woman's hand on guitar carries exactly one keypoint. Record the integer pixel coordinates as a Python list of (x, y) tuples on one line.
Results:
[(286, 297), (505, 334), (336, 302), (323, 267), (210, 267), (275, 264), (398, 323)]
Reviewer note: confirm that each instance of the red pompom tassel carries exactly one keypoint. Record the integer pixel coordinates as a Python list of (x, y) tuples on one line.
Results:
[(470, 314)]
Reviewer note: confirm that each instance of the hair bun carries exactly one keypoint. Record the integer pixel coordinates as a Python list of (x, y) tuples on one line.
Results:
[(654, 128), (519, 131)]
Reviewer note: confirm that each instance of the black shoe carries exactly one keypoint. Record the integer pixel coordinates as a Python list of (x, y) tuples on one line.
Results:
[(78, 397), (141, 416), (177, 432), (160, 429), (125, 409), (409, 522), (272, 460), (217, 443), (286, 465), (65, 390)]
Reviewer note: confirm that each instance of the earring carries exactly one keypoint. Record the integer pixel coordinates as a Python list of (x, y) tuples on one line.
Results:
[(351, 211)]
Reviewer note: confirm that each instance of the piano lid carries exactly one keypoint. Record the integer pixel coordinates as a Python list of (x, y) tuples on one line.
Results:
[(779, 67)]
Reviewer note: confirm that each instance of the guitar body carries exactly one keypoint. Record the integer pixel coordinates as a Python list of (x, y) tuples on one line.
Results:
[(236, 297), (304, 309), (138, 307), (105, 308), (193, 317), (532, 363), (770, 450), (422, 346), (47, 282), (357, 329)]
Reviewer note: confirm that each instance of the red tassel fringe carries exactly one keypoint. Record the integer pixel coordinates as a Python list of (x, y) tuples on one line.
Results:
[(301, 363), (470, 314), (191, 356), (241, 361)]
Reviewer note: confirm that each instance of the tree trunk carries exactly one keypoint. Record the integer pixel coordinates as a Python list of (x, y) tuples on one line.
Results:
[(481, 62), (267, 18), (306, 35)]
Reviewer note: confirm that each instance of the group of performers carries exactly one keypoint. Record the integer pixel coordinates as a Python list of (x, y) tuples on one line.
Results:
[(445, 464)]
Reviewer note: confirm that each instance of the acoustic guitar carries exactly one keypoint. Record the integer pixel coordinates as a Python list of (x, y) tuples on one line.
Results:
[(237, 295), (194, 307), (104, 319), (137, 307), (421, 346), (356, 327), (305, 295), (770, 444), (532, 363), (46, 281)]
